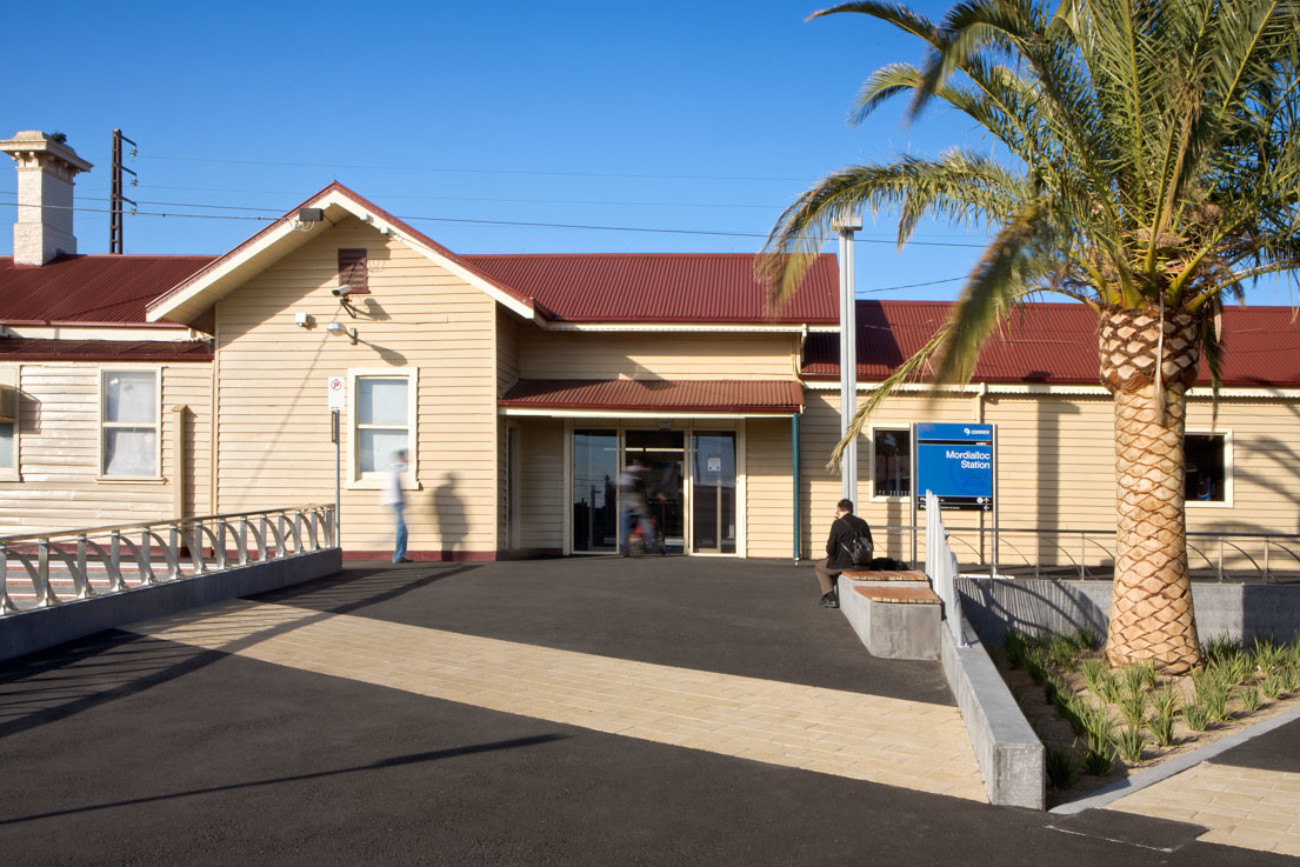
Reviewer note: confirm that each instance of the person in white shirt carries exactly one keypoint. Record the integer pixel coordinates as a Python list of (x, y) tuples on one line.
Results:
[(394, 496)]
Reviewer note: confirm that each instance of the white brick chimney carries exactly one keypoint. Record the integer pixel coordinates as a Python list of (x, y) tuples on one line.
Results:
[(46, 169)]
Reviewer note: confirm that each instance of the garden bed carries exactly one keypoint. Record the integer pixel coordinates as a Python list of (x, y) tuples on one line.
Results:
[(1100, 724)]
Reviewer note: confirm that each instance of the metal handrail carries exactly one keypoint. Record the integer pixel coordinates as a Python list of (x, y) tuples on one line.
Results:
[(278, 533), (8, 540), (1225, 555)]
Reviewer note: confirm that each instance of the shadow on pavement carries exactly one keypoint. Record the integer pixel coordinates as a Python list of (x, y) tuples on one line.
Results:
[(394, 762), (60, 683), (64, 681), (356, 588)]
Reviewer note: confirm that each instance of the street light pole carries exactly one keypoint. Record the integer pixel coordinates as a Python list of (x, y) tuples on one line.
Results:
[(848, 359)]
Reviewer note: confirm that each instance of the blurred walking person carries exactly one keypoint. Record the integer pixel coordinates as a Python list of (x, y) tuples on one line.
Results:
[(394, 496)]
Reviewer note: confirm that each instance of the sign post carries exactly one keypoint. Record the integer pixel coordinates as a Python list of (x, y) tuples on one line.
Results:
[(337, 397), (957, 462)]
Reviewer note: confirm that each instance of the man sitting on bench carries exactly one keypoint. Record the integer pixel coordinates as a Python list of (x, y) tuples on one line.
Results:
[(846, 530)]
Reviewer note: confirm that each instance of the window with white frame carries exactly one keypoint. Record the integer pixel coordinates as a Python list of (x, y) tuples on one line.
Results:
[(891, 462), (8, 452), (128, 418), (384, 422), (1208, 459), (8, 423)]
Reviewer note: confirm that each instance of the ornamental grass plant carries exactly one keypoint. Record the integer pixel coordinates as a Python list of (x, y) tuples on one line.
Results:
[(1108, 720)]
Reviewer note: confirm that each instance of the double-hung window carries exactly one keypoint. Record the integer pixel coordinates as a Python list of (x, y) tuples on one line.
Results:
[(128, 421), (383, 422), (8, 454), (9, 423)]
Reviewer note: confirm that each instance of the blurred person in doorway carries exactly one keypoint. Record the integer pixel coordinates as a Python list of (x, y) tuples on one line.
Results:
[(635, 510)]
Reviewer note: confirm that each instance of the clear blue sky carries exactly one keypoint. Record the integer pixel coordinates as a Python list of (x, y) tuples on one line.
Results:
[(708, 117)]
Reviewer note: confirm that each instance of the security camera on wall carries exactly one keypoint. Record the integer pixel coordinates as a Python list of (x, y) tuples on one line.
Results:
[(342, 291)]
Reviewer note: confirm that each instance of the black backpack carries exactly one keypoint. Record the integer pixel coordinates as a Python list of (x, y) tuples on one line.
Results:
[(860, 550)]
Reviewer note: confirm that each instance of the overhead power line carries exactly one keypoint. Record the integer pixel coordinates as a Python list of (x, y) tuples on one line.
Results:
[(910, 286), (874, 290), (489, 199), (478, 171), (479, 222), (597, 228)]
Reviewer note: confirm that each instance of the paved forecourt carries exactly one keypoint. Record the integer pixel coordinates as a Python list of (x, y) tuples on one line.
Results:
[(917, 745), (583, 711), (1248, 796)]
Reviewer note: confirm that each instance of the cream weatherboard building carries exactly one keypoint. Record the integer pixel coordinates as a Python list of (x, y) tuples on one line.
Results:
[(137, 388)]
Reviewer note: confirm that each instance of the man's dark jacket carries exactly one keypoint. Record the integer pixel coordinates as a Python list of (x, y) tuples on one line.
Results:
[(843, 531)]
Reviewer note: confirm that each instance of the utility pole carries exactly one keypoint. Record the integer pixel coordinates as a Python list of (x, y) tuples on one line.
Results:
[(848, 359), (116, 199)]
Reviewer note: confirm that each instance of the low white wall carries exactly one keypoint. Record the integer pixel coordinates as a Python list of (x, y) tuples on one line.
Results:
[(30, 631)]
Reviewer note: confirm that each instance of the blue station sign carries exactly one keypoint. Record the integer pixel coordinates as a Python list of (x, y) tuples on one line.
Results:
[(955, 462)]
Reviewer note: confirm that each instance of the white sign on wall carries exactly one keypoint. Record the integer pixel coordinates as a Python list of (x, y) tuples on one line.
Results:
[(337, 392)]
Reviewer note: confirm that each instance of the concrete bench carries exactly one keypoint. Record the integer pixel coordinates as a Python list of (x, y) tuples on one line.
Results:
[(896, 618)]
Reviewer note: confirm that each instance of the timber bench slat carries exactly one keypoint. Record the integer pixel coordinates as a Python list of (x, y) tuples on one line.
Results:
[(903, 595), (910, 575)]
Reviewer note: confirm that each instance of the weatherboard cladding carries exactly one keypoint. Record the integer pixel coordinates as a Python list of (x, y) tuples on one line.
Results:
[(671, 287), (761, 396), (89, 289), (1052, 343)]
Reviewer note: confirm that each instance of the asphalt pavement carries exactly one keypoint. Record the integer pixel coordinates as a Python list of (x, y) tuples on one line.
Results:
[(128, 749)]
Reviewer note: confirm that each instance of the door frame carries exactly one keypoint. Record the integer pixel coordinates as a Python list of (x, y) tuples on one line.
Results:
[(688, 427)]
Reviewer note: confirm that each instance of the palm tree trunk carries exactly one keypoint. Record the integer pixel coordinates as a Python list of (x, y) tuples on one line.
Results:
[(1151, 610)]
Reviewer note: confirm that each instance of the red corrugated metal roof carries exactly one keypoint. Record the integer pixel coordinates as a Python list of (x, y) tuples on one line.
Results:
[(703, 288), (102, 289), (765, 396), (30, 349), (1052, 343), (667, 287)]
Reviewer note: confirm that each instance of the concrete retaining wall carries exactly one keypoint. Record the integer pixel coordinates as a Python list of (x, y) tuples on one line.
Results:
[(1010, 756), (31, 631), (1242, 612)]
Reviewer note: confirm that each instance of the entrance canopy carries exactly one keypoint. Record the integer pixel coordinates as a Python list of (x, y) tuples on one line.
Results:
[(582, 397)]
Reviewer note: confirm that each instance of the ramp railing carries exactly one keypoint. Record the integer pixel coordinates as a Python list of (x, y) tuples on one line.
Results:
[(941, 567), (44, 569)]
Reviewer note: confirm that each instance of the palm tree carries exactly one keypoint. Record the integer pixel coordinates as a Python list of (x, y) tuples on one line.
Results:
[(1150, 170)]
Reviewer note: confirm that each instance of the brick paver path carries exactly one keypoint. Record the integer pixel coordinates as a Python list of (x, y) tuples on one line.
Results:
[(902, 743), (1248, 807)]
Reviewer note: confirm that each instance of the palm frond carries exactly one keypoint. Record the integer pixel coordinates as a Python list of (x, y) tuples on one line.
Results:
[(1161, 135), (905, 19), (909, 371), (884, 84), (1004, 274), (960, 187)]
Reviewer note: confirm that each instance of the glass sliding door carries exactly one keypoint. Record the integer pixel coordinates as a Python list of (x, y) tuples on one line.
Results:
[(595, 490), (663, 454), (713, 493)]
